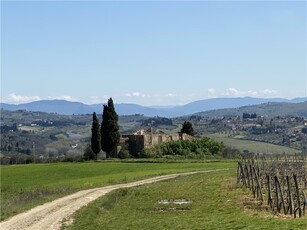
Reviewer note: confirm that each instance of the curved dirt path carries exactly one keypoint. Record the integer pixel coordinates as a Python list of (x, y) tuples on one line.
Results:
[(51, 215)]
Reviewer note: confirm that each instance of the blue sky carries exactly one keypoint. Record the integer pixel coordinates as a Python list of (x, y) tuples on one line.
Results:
[(152, 53)]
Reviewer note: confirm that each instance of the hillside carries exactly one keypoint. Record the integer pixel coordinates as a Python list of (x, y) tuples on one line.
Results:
[(52, 135), (267, 110)]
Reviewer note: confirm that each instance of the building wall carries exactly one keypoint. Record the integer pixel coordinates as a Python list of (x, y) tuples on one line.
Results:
[(138, 142)]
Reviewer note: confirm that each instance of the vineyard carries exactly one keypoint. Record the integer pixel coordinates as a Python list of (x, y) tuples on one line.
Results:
[(278, 181)]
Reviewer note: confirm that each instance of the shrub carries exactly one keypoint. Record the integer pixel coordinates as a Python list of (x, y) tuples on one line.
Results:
[(123, 154), (88, 153), (189, 148)]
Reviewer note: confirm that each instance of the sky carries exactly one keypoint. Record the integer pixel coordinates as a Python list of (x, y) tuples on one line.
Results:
[(152, 52)]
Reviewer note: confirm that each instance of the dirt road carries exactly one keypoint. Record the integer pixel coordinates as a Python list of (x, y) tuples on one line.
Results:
[(52, 214)]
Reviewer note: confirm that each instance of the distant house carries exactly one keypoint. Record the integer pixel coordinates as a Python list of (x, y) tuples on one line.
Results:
[(143, 139)]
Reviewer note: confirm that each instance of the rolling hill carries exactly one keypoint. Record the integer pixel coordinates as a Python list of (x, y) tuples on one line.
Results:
[(271, 109)]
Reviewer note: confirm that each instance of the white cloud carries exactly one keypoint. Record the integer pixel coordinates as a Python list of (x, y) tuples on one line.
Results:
[(153, 99), (232, 92), (211, 91), (64, 97), (251, 93), (94, 99), (17, 99), (134, 94), (98, 99), (172, 98), (269, 92), (143, 95)]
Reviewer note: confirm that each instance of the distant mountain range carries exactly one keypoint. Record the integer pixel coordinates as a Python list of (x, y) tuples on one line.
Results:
[(69, 108)]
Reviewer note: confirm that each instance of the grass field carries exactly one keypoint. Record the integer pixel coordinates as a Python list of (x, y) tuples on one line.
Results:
[(253, 146), (216, 202), (26, 186)]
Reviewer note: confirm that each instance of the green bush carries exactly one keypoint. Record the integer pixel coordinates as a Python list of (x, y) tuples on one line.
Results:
[(123, 154), (148, 153), (88, 153), (192, 149)]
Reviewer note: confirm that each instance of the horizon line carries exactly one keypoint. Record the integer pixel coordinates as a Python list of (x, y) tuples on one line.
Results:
[(153, 105)]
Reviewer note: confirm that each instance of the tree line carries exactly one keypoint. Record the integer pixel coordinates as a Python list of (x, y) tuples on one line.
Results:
[(249, 116)]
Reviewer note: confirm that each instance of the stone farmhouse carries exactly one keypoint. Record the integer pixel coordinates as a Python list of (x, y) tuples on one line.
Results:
[(143, 139)]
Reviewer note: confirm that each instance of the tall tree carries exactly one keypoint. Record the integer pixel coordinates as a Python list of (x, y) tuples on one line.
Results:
[(187, 128), (96, 138), (109, 129)]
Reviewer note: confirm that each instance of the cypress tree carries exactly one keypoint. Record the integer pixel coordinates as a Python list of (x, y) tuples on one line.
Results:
[(187, 128), (109, 129), (96, 138)]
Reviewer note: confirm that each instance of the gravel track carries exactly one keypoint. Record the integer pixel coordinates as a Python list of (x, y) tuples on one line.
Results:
[(51, 215)]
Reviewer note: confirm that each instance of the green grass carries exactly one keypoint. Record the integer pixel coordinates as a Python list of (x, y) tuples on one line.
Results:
[(26, 186), (253, 146), (216, 203)]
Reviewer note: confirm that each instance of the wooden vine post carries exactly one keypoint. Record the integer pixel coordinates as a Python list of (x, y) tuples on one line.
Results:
[(280, 181)]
